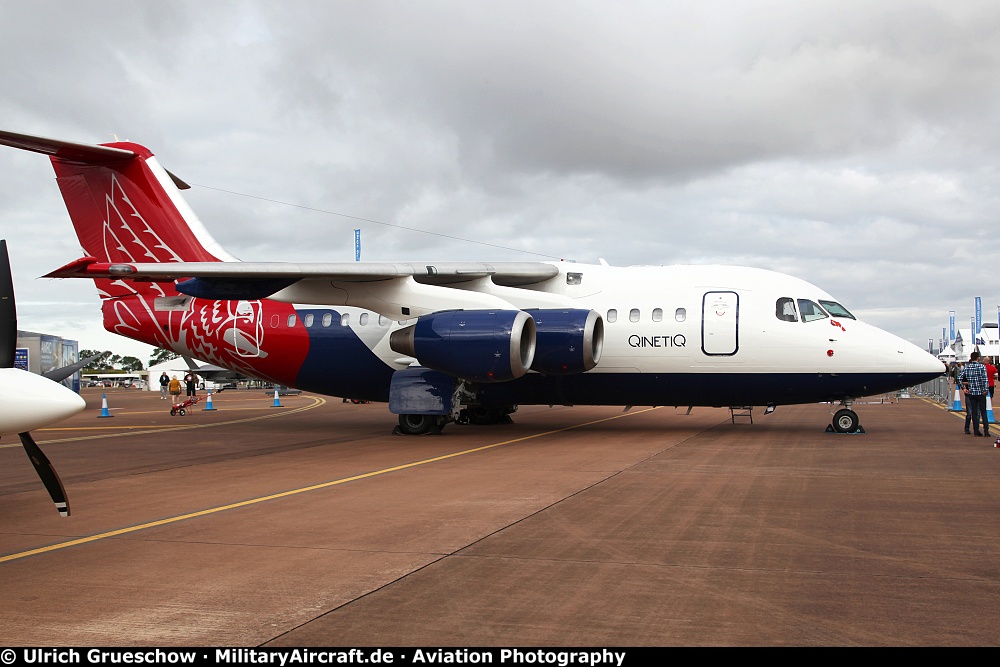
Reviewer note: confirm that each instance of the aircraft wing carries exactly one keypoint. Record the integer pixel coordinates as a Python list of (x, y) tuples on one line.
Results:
[(391, 289)]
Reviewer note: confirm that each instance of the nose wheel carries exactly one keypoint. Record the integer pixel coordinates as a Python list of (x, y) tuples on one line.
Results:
[(846, 421)]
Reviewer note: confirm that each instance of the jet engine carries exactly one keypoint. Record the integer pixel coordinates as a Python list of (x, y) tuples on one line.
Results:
[(567, 341), (476, 345)]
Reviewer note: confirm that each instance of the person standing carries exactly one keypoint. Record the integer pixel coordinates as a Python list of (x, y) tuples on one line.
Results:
[(975, 387), (164, 385), (991, 374), (175, 388), (190, 379), (953, 371)]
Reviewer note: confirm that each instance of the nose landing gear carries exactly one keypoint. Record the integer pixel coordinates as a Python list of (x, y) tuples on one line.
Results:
[(845, 420)]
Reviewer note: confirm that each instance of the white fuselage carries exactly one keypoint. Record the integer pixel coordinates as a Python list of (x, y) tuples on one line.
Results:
[(689, 319)]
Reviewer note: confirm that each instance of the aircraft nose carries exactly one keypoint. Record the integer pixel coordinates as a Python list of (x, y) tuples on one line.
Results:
[(919, 361)]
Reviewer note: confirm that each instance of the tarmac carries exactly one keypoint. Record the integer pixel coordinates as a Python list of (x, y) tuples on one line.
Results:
[(311, 525)]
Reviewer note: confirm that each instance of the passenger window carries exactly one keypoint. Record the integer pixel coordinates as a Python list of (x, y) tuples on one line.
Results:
[(836, 309), (291, 321), (680, 314), (574, 278), (274, 321), (345, 319), (657, 314), (363, 319), (383, 320), (810, 311), (633, 315), (612, 316), (784, 309), (327, 319), (308, 320)]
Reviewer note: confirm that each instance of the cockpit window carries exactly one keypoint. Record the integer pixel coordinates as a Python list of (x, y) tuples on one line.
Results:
[(784, 309), (810, 311), (836, 309)]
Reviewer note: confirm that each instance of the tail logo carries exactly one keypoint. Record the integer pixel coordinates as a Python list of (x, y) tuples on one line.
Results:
[(121, 241), (247, 333)]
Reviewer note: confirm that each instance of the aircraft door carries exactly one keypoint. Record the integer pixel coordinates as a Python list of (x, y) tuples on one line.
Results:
[(720, 317)]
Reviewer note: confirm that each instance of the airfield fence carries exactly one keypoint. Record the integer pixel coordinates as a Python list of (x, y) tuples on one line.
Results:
[(936, 389)]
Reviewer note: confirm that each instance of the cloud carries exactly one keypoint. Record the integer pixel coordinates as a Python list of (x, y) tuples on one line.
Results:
[(852, 144)]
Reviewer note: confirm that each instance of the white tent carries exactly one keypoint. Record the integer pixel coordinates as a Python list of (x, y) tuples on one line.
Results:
[(176, 367)]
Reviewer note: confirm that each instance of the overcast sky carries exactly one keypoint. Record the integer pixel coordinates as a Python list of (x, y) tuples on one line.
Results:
[(851, 144)]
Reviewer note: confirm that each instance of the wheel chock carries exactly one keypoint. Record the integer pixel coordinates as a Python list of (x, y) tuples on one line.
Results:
[(830, 429)]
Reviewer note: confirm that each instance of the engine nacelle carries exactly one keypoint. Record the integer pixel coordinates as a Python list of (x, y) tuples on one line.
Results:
[(476, 345), (567, 341)]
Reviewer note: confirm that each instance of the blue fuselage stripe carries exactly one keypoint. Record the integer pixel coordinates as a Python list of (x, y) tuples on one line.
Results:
[(340, 364)]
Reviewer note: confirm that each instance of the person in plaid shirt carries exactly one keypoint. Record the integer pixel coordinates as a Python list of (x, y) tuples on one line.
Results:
[(975, 383)]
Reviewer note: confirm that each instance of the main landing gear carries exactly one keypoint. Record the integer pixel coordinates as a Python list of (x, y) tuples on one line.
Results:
[(845, 420), (420, 424), (475, 415)]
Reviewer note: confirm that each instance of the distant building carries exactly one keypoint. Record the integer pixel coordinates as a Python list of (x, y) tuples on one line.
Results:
[(988, 342), (40, 353)]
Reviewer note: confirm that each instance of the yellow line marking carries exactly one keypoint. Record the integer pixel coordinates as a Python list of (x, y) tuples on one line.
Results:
[(98, 428), (139, 430), (294, 492), (960, 414)]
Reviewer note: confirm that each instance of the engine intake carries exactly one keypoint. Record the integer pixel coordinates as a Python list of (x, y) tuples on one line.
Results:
[(567, 341), (476, 345)]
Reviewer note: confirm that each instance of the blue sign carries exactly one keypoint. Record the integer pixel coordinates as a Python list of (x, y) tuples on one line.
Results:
[(951, 325), (979, 317), (357, 245), (21, 358)]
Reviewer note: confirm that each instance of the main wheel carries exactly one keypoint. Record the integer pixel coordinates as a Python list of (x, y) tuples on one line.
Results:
[(481, 416), (181, 411), (173, 413), (415, 424), (845, 421)]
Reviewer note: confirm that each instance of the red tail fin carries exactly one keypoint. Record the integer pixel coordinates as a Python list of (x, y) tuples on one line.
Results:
[(126, 208), (124, 205), (130, 210)]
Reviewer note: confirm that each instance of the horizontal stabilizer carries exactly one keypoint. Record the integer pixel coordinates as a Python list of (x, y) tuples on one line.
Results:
[(503, 273), (65, 150)]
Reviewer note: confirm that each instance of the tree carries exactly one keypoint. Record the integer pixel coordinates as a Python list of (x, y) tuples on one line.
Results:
[(101, 363), (160, 355), (131, 364)]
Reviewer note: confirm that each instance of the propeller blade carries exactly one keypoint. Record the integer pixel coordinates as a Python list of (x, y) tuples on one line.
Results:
[(63, 372), (8, 311), (48, 474)]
